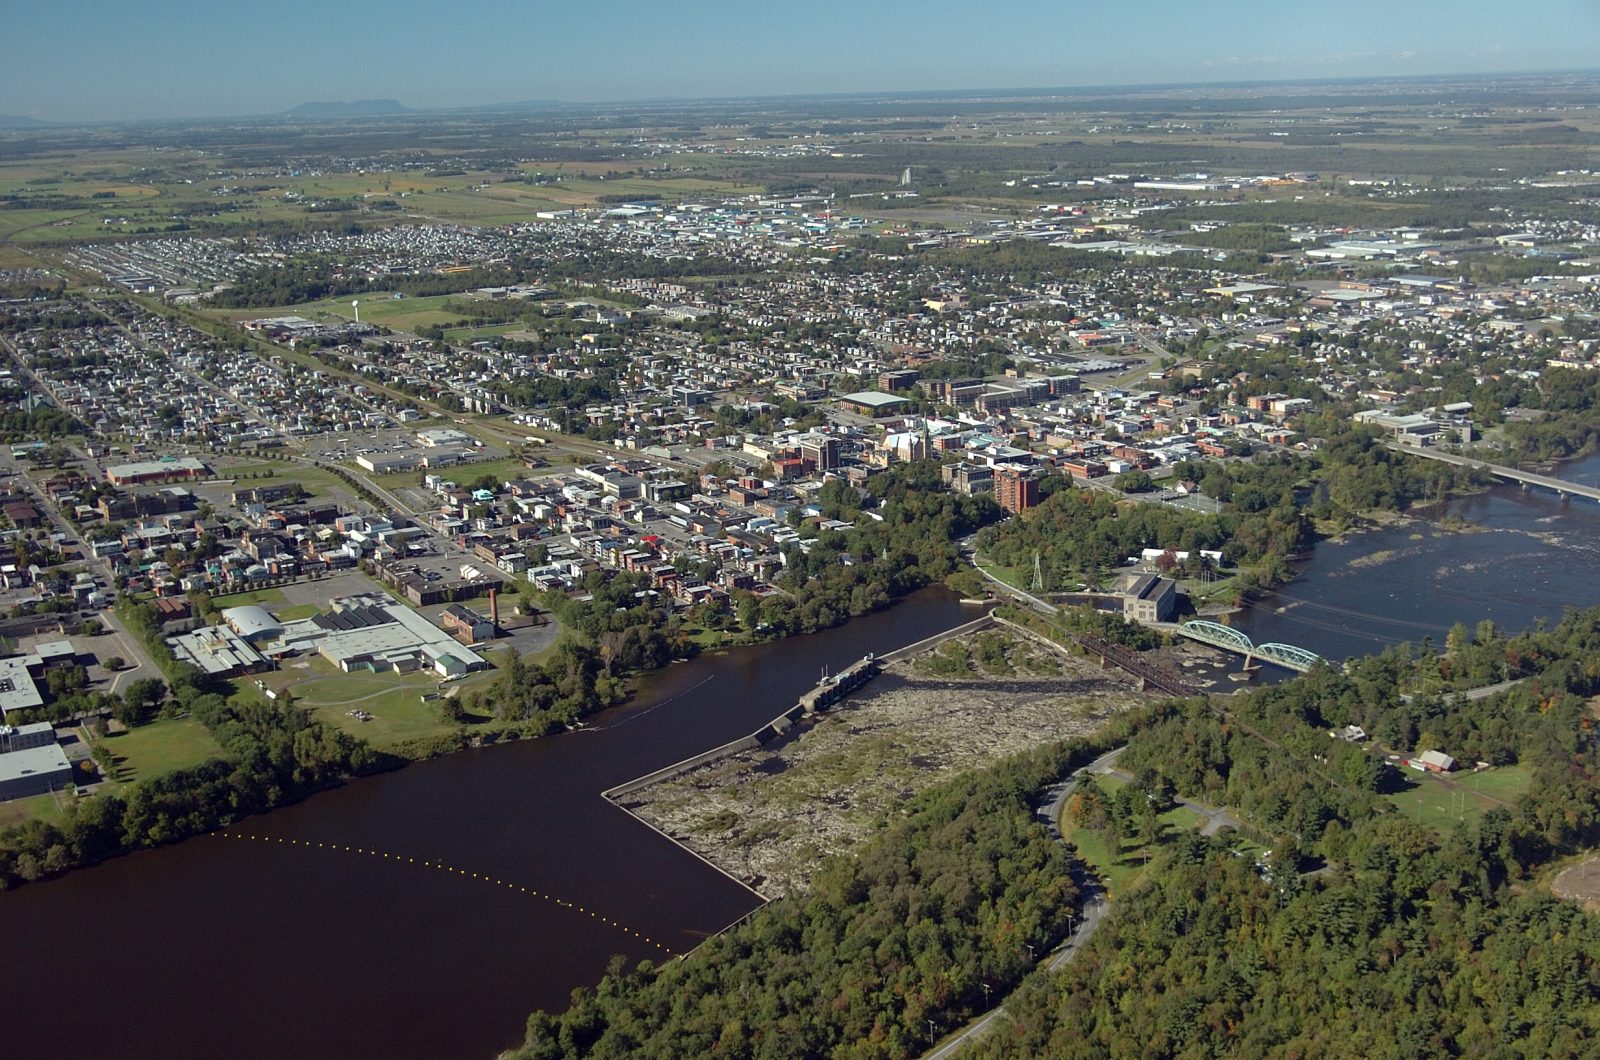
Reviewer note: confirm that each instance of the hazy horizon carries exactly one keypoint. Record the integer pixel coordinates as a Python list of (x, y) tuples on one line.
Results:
[(177, 59)]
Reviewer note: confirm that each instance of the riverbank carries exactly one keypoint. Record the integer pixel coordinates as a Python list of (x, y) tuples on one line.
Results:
[(46, 839), (768, 815)]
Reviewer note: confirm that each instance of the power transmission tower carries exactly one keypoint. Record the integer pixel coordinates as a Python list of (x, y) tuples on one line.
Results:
[(1038, 575)]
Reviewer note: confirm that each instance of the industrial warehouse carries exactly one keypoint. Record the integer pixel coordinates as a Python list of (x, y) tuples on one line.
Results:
[(364, 632)]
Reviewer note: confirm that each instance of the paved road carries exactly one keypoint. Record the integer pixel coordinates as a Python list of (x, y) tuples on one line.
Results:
[(1093, 912), (1472, 694)]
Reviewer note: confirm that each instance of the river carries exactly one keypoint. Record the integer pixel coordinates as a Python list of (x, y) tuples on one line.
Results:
[(1527, 556), (289, 945)]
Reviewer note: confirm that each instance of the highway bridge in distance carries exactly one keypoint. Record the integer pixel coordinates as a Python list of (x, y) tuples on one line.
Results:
[(1510, 474)]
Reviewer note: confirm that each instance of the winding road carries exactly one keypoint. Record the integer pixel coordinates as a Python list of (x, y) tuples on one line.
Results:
[(1092, 912)]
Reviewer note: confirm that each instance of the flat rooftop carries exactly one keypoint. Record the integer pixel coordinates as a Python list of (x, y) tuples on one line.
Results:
[(873, 399), (33, 761)]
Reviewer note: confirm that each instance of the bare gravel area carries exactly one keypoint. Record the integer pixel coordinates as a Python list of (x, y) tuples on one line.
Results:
[(769, 815)]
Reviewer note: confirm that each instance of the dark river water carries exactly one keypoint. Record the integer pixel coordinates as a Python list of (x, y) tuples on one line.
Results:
[(251, 947)]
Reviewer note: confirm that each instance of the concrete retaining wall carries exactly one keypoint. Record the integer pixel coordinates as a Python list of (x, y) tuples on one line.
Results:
[(911, 650)]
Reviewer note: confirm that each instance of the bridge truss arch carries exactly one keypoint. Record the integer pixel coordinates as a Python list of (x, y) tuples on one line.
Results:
[(1216, 632), (1288, 654)]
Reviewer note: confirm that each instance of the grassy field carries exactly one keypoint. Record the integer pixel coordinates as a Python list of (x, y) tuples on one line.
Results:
[(49, 808), (1010, 575), (1429, 800), (394, 700), (377, 307), (503, 470), (490, 331), (294, 612), (264, 597), (160, 747), (318, 482)]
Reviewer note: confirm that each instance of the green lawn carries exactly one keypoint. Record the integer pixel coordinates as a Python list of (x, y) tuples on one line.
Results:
[(397, 716), (295, 612), (1009, 575), (1429, 801), (266, 469), (394, 701), (50, 808), (716, 639), (317, 481), (263, 597), (1501, 782), (503, 470), (488, 331), (160, 747), (377, 307)]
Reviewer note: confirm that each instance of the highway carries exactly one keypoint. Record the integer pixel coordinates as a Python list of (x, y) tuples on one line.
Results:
[(1527, 478)]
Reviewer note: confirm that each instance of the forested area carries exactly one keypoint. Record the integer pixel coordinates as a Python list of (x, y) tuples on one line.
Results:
[(1363, 933), (1570, 398), (947, 900), (1408, 941)]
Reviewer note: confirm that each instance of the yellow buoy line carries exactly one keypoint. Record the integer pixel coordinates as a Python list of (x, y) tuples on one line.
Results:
[(442, 867)]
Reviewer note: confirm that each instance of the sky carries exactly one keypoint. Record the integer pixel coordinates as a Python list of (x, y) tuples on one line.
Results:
[(93, 60)]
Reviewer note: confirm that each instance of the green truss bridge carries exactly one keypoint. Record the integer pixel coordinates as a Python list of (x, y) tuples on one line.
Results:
[(1230, 639)]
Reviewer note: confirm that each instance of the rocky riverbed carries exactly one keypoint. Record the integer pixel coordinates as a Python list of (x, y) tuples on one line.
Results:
[(767, 816)]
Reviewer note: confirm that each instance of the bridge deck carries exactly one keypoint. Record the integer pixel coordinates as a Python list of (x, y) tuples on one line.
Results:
[(1500, 471)]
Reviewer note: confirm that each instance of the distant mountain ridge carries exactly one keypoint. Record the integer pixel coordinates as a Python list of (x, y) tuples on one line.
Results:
[(352, 108), (20, 121)]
